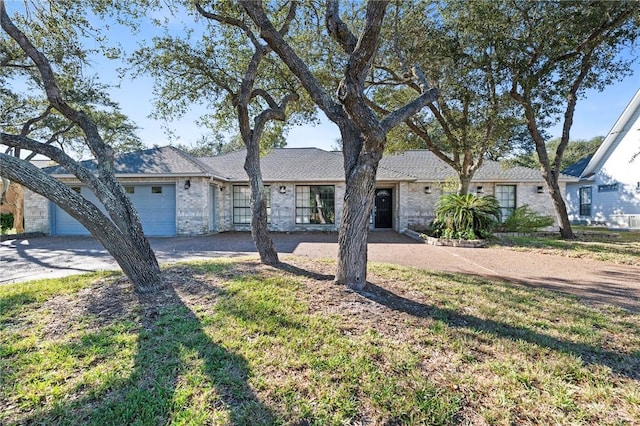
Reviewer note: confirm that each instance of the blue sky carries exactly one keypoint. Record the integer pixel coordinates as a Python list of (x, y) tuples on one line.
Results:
[(595, 115)]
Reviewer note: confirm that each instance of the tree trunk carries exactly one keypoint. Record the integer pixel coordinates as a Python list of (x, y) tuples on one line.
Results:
[(259, 225), (140, 266), (561, 209), (464, 180), (354, 228), (360, 177)]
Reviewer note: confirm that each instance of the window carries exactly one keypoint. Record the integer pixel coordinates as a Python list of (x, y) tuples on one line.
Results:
[(612, 187), (75, 189), (315, 204), (130, 189), (585, 201), (242, 203), (506, 195), (156, 190)]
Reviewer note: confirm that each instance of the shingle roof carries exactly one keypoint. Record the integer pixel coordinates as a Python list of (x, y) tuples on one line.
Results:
[(300, 165), (153, 161), (578, 167), (425, 166), (292, 164)]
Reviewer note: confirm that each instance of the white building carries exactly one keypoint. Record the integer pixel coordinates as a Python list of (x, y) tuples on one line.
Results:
[(608, 190)]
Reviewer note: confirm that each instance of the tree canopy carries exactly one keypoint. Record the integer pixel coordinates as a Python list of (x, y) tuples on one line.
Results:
[(575, 151), (45, 57), (473, 115)]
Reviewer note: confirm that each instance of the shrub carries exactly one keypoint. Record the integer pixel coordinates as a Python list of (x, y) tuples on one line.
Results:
[(6, 222), (466, 217), (524, 219)]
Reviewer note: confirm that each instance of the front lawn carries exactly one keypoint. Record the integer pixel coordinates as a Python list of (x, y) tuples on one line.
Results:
[(234, 342), (615, 247)]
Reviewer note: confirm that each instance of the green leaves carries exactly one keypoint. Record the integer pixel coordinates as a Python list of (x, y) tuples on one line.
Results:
[(63, 33), (467, 216)]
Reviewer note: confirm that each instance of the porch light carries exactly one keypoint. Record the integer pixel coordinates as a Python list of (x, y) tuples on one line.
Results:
[(187, 184), (479, 189), (283, 189), (427, 190)]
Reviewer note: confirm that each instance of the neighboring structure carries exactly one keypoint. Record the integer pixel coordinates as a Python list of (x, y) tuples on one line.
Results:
[(177, 194), (11, 202), (608, 190)]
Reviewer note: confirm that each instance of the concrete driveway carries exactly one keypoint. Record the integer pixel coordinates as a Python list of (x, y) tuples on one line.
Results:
[(592, 281)]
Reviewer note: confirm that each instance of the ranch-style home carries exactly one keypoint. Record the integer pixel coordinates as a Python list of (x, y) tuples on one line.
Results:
[(607, 191), (177, 194)]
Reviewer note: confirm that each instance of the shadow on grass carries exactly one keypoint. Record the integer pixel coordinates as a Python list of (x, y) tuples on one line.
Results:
[(287, 267), (179, 374), (623, 364), (620, 363)]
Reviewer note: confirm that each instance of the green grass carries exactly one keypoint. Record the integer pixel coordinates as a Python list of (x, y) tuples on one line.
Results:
[(615, 247), (234, 342)]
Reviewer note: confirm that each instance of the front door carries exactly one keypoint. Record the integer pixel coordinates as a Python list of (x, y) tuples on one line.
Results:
[(383, 217)]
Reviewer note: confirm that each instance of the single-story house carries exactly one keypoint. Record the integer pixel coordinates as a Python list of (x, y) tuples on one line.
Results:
[(607, 191), (177, 194)]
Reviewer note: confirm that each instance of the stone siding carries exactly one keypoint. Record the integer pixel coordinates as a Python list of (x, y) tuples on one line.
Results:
[(36, 213), (207, 206), (418, 207), (193, 207)]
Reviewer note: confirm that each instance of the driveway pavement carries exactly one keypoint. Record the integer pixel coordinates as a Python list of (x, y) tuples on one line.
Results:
[(592, 281)]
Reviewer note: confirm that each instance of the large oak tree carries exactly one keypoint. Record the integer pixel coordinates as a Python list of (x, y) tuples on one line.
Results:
[(221, 63), (363, 131), (22, 62), (473, 115), (550, 53)]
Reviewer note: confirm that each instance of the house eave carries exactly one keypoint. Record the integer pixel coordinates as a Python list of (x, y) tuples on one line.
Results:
[(150, 176), (618, 128)]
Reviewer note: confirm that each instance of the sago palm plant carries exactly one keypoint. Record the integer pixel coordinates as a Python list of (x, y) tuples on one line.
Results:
[(466, 216)]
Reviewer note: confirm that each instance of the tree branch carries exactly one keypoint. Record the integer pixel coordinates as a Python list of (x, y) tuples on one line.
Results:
[(338, 30), (54, 94), (403, 113), (228, 21), (52, 152), (276, 41), (266, 96), (26, 127), (291, 14)]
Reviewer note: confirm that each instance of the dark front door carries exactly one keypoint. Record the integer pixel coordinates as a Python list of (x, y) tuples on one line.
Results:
[(383, 214)]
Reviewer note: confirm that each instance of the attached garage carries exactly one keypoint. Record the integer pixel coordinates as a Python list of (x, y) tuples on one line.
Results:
[(156, 205)]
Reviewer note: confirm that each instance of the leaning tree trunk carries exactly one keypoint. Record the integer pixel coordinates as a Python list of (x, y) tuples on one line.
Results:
[(259, 224), (140, 266), (561, 210)]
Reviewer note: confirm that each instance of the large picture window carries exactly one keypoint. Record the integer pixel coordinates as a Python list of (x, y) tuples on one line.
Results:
[(585, 201), (242, 203), (315, 204), (506, 195)]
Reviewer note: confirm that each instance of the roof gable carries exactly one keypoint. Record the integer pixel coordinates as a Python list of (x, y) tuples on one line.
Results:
[(619, 129), (154, 161)]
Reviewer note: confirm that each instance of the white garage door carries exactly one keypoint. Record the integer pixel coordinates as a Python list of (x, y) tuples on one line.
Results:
[(156, 205)]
